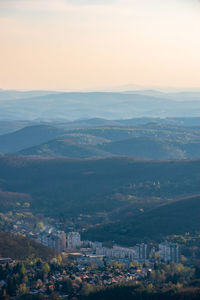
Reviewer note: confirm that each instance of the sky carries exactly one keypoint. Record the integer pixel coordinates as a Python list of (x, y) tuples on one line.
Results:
[(97, 44)]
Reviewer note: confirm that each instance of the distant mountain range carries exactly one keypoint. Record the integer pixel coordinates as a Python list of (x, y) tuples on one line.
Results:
[(14, 94), (9, 126), (111, 105)]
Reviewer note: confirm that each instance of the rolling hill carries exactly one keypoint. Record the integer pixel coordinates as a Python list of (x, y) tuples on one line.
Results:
[(66, 147), (149, 148), (151, 141), (86, 123), (11, 126), (150, 130), (145, 147), (20, 248), (27, 137)]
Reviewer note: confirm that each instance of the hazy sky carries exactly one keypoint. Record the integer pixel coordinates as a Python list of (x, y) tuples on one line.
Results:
[(83, 44)]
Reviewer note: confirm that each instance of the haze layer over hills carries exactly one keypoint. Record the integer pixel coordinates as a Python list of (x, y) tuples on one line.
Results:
[(110, 105)]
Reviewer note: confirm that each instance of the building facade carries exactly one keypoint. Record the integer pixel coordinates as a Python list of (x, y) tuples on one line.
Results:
[(169, 252), (73, 240), (141, 250), (55, 240)]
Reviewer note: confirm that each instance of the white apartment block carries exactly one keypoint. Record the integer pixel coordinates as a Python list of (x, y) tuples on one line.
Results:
[(55, 240), (169, 252), (73, 240), (141, 250), (117, 252)]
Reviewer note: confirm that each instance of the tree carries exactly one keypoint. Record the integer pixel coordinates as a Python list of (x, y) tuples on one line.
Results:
[(11, 287), (40, 226), (23, 289), (59, 259), (46, 269), (22, 269), (67, 286)]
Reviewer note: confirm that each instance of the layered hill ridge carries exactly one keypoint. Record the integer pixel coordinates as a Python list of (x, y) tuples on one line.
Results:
[(66, 147), (110, 105), (151, 141), (141, 147)]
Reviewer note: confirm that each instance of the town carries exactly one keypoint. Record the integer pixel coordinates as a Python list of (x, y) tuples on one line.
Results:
[(95, 251), (29, 225), (81, 265)]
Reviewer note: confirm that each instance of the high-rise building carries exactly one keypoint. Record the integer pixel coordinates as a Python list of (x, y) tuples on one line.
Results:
[(73, 240), (169, 252), (55, 240), (61, 241), (141, 250), (174, 253)]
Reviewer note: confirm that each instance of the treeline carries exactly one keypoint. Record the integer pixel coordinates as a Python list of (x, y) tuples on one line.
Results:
[(134, 292)]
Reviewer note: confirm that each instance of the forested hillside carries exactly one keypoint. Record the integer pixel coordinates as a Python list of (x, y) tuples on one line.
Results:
[(173, 218), (103, 138), (129, 192), (20, 248)]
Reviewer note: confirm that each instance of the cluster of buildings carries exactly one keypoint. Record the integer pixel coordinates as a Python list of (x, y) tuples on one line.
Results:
[(59, 241), (166, 252)]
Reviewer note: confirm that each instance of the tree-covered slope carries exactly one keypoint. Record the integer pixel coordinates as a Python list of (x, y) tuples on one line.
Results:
[(18, 247), (152, 140), (145, 147), (175, 217), (71, 186)]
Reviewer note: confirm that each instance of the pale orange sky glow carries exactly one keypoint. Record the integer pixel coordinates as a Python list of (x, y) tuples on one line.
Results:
[(85, 44)]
